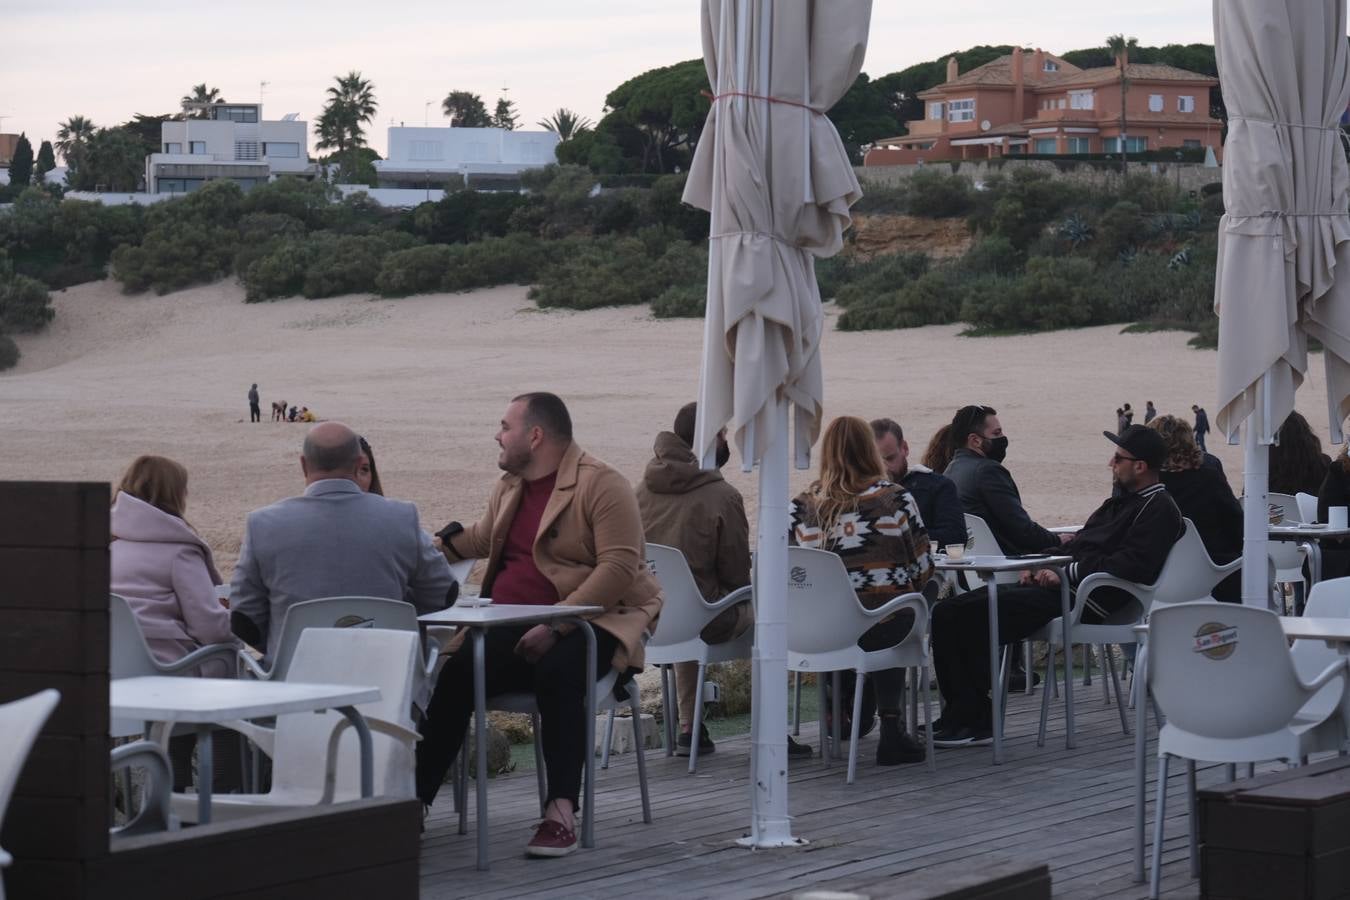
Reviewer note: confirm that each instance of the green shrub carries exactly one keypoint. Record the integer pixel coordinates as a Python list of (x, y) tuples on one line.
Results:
[(616, 271), (665, 207), (9, 352), (930, 193), (879, 275), (278, 273), (1019, 206), (304, 201), (1119, 228), (681, 301), (417, 270), (514, 259), (462, 216), (884, 199), (934, 298), (173, 257), (1051, 293), (348, 264), (25, 304), (992, 255)]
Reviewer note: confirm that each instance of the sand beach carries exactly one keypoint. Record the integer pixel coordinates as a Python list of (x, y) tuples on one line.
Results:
[(426, 378)]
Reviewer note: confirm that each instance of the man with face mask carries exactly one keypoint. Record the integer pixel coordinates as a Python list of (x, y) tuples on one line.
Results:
[(1129, 536), (985, 487), (697, 512)]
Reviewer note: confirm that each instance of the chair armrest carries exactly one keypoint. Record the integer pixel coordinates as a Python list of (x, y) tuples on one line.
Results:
[(741, 593), (913, 601), (1141, 592), (442, 635), (1228, 568), (254, 668), (197, 657), (1335, 670), (380, 726), (155, 814)]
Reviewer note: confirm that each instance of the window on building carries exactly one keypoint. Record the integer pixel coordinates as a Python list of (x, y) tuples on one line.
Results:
[(174, 147), (424, 150), (1155, 102), (1047, 145), (1185, 103), (935, 110), (1080, 99), (1132, 144), (197, 147), (282, 149), (1059, 104), (1191, 144), (1080, 145), (961, 110), (179, 185), (246, 150), (1051, 66), (245, 114)]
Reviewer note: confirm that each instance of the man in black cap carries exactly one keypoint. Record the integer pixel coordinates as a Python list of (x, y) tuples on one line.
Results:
[(1129, 536)]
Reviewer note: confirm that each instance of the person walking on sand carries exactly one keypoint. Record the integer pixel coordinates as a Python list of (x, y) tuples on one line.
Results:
[(1150, 412), (254, 409), (1201, 426)]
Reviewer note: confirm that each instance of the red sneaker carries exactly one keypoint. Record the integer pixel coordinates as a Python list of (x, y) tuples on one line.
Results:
[(551, 839)]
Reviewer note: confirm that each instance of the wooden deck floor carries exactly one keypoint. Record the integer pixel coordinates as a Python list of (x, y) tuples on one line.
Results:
[(1070, 808)]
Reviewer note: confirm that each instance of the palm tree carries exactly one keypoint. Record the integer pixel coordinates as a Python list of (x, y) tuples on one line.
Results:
[(1120, 47), (565, 124), (72, 138), (202, 94), (351, 103)]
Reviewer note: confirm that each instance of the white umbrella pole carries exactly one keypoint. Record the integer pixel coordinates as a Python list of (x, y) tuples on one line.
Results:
[(771, 826), (1255, 517)]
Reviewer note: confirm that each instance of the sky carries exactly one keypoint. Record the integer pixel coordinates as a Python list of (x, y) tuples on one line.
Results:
[(109, 59)]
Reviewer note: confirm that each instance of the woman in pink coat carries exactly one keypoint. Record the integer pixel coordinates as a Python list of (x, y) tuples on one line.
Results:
[(163, 568)]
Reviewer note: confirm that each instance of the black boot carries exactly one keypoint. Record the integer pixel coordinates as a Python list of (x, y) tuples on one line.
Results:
[(896, 746)]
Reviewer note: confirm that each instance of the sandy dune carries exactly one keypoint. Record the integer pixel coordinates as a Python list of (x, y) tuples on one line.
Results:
[(426, 379)]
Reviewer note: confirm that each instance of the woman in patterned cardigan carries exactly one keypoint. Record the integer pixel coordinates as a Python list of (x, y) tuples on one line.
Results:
[(874, 526)]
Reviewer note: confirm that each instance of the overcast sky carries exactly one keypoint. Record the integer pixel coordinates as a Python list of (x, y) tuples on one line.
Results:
[(108, 59)]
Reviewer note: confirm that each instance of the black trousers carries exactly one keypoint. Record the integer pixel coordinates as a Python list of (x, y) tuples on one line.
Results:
[(559, 681), (254, 412), (961, 643)]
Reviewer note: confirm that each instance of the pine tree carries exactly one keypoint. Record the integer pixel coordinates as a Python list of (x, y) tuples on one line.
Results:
[(21, 164), (46, 158)]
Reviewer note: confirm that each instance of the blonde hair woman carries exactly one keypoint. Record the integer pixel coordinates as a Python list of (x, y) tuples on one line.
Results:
[(875, 527)]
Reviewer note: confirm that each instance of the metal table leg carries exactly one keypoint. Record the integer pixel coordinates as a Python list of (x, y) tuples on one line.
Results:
[(995, 688), (1064, 613), (588, 800), (367, 749), (205, 774), (1140, 754), (480, 737)]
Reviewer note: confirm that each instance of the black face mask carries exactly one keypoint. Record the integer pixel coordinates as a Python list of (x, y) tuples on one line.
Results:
[(723, 453), (996, 448)]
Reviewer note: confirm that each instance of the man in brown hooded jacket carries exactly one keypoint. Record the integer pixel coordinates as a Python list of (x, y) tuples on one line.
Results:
[(697, 512)]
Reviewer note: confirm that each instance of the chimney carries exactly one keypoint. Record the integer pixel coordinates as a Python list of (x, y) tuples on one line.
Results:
[(952, 70), (1019, 107), (1040, 63)]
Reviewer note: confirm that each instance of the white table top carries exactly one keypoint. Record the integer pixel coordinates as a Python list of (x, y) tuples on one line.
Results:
[(1320, 629), (1310, 531), (999, 563), (506, 614), (161, 698)]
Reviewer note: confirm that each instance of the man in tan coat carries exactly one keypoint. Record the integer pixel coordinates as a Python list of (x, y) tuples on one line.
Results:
[(561, 527)]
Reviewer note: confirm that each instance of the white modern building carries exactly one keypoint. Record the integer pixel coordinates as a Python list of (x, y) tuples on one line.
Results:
[(234, 143), (483, 157)]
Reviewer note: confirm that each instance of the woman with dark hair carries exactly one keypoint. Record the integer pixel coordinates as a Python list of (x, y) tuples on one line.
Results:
[(1204, 496), (875, 527), (1335, 491), (367, 476), (938, 455), (1297, 463)]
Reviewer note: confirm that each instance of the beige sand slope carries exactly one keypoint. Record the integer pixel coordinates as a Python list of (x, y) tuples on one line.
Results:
[(426, 379)]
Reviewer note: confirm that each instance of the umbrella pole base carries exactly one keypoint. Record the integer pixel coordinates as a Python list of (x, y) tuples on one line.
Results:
[(769, 842)]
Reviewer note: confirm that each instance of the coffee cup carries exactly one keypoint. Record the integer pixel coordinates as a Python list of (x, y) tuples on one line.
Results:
[(1336, 517), (956, 551), (934, 548)]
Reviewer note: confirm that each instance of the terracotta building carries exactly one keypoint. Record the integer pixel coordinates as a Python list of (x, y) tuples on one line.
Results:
[(1035, 102), (8, 144)]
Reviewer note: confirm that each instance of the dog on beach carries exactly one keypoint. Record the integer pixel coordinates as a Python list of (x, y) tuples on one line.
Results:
[(278, 410)]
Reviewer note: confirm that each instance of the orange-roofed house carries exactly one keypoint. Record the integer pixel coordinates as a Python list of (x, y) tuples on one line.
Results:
[(1035, 102)]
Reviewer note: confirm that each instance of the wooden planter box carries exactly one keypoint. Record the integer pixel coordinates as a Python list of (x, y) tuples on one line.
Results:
[(1283, 835)]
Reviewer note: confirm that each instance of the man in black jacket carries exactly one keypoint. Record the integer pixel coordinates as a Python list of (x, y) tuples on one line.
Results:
[(1128, 536), (939, 505), (985, 487)]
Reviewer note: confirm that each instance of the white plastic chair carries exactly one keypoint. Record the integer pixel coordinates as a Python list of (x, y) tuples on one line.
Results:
[(315, 756), (825, 621), (1228, 685), (20, 723), (129, 656), (684, 615), (1187, 574), (338, 612), (1307, 506), (1288, 556), (1327, 600)]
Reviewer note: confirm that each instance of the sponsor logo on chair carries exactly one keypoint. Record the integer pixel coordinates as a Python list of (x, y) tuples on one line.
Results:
[(798, 576), (354, 621), (1216, 640)]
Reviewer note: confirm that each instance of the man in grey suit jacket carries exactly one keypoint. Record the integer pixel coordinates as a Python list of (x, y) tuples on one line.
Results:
[(332, 540)]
